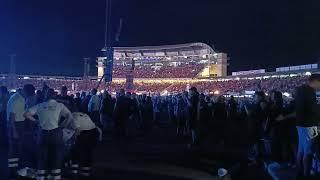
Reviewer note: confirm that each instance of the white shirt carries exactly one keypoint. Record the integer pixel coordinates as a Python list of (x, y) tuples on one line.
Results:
[(16, 105), (49, 114), (94, 103), (82, 121)]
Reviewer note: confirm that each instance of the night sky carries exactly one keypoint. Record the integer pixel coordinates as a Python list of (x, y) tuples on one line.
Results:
[(52, 36)]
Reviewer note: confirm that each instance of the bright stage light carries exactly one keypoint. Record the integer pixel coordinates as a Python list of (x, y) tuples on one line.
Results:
[(216, 92), (308, 73)]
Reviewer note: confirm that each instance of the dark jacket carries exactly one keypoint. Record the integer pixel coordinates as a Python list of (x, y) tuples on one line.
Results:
[(307, 111)]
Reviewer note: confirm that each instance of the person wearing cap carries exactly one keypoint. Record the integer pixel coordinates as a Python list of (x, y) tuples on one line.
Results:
[(15, 127), (86, 140), (50, 136)]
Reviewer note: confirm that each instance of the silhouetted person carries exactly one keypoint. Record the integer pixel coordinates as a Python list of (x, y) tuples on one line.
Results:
[(122, 113), (94, 107), (307, 113), (65, 99)]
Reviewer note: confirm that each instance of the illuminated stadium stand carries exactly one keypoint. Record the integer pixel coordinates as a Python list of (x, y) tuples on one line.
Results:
[(192, 60)]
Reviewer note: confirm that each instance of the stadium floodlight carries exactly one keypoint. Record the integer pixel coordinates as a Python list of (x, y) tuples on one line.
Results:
[(308, 73), (104, 49)]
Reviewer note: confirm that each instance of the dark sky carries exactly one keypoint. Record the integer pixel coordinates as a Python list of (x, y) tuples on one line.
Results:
[(52, 36)]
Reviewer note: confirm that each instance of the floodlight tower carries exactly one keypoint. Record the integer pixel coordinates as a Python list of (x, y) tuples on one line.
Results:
[(105, 64), (86, 68), (12, 73)]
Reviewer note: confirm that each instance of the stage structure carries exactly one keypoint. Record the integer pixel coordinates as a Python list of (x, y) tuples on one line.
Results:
[(105, 63)]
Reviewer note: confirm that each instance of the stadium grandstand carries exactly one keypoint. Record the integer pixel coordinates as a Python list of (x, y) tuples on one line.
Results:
[(192, 60)]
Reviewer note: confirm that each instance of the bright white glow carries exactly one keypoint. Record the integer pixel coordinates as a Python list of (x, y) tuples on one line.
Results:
[(135, 58), (308, 73), (100, 72), (250, 78), (185, 57), (266, 77), (286, 94), (293, 75), (168, 58), (102, 91), (283, 76), (117, 58), (13, 90), (237, 78), (249, 92), (216, 92), (26, 77), (204, 56)]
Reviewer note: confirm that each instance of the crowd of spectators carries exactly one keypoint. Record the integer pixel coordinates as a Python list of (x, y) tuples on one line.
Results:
[(181, 71), (285, 84)]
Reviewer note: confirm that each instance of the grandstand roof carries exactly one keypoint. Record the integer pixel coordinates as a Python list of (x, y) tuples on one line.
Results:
[(188, 49)]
